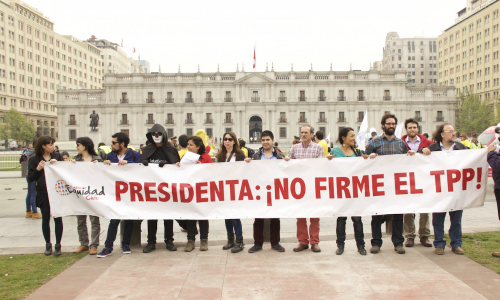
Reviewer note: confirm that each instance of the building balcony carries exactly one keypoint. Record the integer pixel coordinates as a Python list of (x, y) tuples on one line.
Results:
[(228, 99), (419, 119), (188, 121), (281, 99), (341, 98), (72, 122), (169, 100), (361, 98), (322, 120), (124, 122), (302, 99), (149, 121), (439, 119), (209, 99), (189, 100), (169, 122), (302, 120), (209, 121), (255, 99), (282, 120), (228, 121), (387, 98), (150, 100), (123, 100), (359, 120), (341, 120), (321, 98)]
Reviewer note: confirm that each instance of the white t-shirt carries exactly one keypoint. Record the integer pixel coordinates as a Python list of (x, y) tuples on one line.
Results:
[(120, 157)]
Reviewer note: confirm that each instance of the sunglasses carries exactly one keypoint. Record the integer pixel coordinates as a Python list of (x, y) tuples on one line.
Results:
[(112, 142), (228, 139)]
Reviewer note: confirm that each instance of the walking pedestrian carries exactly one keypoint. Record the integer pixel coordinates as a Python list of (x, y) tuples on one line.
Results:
[(31, 209)]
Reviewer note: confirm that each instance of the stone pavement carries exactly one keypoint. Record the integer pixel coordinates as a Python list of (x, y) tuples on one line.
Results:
[(218, 274)]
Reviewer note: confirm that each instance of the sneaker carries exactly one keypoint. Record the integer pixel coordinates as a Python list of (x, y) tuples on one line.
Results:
[(149, 248), (126, 249), (278, 248), (36, 216), (439, 251), (170, 246), (375, 249), (105, 252), (458, 250), (400, 250), (254, 249)]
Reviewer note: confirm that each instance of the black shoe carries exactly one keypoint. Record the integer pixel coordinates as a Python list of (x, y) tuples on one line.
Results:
[(340, 249), (57, 250), (254, 249), (48, 249), (149, 248), (170, 246), (230, 242), (361, 250), (238, 246), (278, 247)]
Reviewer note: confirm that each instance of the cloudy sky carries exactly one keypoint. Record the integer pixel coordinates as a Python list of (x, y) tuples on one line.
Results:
[(208, 33)]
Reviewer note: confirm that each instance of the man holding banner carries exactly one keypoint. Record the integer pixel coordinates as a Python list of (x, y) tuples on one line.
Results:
[(387, 144), (307, 149)]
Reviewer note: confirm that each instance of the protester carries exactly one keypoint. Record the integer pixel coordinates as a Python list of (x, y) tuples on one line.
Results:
[(347, 140), (56, 149), (426, 135), (415, 142), (44, 153), (183, 142), (204, 137), (196, 145), (266, 152), (445, 136), (475, 144), (372, 136), (465, 140), (161, 153), (231, 152), (242, 147), (121, 155), (65, 156), (321, 141), (103, 150), (494, 162), (276, 147), (387, 144), (307, 149), (174, 143), (31, 210), (24, 155), (86, 153)]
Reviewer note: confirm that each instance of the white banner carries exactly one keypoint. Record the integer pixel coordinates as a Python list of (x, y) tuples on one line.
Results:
[(306, 188)]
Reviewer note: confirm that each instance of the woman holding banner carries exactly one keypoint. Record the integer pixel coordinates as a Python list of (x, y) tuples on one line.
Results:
[(195, 145), (86, 153), (347, 139), (231, 152), (44, 153)]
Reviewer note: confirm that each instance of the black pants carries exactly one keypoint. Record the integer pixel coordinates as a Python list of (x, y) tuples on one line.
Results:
[(153, 227), (497, 196), (192, 231), (182, 224), (258, 231), (43, 199), (358, 231), (397, 230)]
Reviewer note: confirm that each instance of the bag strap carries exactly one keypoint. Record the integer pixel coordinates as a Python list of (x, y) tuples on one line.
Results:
[(230, 156)]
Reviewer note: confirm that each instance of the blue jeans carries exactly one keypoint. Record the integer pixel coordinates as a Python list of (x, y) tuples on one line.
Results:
[(31, 196), (234, 225), (455, 231), (113, 229)]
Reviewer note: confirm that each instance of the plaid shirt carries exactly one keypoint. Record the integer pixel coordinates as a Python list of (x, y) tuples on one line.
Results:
[(382, 146), (312, 150)]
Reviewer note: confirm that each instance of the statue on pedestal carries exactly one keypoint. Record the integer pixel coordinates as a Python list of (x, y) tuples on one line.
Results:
[(94, 121)]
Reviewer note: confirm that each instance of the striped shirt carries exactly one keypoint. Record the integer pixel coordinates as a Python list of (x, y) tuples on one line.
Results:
[(382, 146), (312, 150)]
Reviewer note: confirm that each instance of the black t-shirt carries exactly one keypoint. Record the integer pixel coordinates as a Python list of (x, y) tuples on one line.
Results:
[(157, 156)]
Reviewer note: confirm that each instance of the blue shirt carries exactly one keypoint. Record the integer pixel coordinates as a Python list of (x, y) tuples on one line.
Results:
[(413, 146), (131, 156), (382, 146), (264, 157)]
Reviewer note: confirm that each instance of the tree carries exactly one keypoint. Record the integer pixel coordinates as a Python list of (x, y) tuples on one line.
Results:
[(474, 115), (18, 127)]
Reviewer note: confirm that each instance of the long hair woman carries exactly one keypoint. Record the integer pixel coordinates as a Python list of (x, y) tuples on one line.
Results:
[(195, 145), (86, 153), (44, 153), (347, 148), (231, 152)]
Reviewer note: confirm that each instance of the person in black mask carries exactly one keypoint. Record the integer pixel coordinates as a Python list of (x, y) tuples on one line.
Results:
[(160, 152)]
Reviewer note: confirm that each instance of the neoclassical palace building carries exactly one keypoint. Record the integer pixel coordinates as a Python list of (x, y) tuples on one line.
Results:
[(248, 102)]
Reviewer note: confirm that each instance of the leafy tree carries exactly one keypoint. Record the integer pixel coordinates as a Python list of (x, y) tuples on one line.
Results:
[(474, 114), (17, 126)]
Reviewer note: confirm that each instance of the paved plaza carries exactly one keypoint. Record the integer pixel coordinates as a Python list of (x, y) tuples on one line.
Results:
[(218, 274)]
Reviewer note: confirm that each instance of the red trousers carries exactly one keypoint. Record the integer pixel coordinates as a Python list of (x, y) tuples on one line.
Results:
[(303, 236)]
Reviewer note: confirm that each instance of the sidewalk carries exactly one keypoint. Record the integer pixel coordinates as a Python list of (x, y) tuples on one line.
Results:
[(218, 274)]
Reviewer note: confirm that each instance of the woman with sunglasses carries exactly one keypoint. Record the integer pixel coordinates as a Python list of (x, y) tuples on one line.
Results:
[(44, 153), (231, 152), (86, 153), (195, 145)]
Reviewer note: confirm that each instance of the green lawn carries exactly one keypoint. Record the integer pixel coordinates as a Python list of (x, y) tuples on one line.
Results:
[(22, 274), (479, 246)]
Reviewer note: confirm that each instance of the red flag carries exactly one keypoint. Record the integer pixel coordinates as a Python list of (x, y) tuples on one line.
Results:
[(254, 61), (134, 51)]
